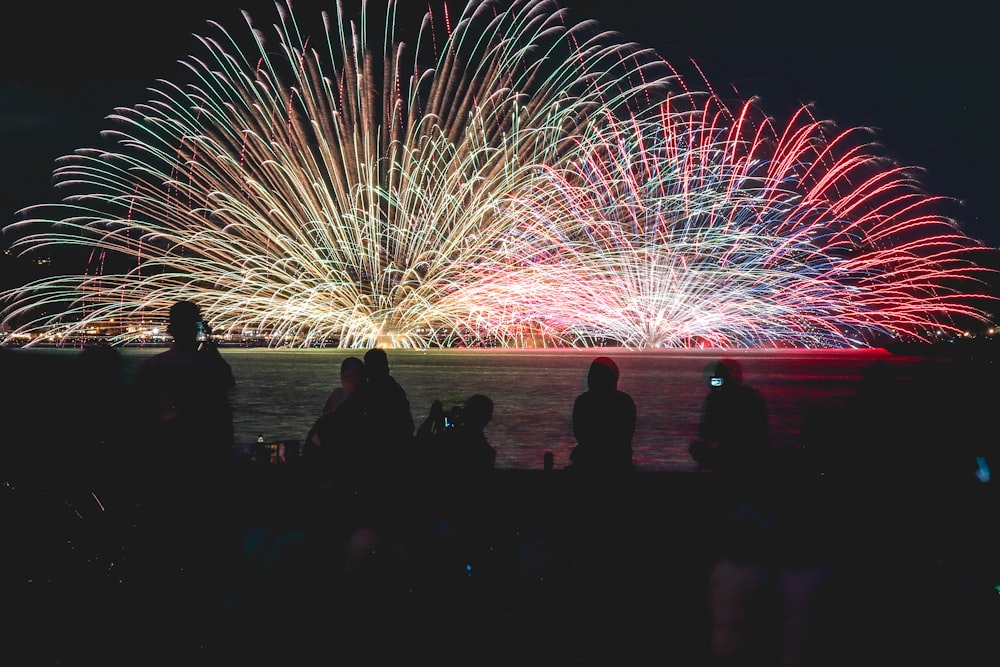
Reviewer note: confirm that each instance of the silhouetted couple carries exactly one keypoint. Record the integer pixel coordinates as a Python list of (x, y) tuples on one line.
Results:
[(367, 427)]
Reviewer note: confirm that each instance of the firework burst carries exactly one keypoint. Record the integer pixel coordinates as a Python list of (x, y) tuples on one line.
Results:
[(511, 178), (347, 194), (707, 226)]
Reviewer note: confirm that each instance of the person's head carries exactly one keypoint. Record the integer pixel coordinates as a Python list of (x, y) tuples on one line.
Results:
[(184, 318), (603, 374), (352, 372), (478, 411), (376, 363), (727, 373)]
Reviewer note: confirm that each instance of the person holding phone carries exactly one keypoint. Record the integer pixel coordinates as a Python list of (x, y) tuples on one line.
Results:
[(733, 434), (187, 446), (184, 392)]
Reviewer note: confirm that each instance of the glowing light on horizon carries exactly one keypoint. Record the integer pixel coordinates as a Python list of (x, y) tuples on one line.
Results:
[(511, 178)]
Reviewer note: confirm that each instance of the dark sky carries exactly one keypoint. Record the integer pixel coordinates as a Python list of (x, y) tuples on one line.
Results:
[(927, 79)]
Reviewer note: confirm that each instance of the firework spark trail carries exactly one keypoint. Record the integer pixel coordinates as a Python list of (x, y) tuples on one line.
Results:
[(518, 179), (713, 228), (278, 191)]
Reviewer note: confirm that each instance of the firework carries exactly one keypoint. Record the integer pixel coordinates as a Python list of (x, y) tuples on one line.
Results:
[(343, 194), (511, 178), (713, 227)]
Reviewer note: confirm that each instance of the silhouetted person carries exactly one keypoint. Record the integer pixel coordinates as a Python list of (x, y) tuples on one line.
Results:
[(339, 442), (188, 435), (455, 442), (388, 419), (470, 449), (603, 422), (452, 508), (733, 435), (352, 376), (433, 428), (769, 584), (185, 394)]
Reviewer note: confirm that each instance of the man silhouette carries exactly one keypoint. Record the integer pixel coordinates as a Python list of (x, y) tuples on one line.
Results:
[(184, 391)]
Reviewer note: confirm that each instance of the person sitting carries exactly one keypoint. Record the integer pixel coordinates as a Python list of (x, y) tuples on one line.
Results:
[(187, 424), (352, 376), (604, 420), (184, 396), (465, 446), (388, 420), (335, 441)]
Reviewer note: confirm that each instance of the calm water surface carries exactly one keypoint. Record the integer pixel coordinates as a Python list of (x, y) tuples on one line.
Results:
[(280, 393)]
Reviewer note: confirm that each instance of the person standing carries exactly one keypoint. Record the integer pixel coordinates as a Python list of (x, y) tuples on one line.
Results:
[(187, 435), (185, 395)]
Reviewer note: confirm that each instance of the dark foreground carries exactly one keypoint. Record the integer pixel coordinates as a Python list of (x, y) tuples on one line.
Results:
[(517, 568)]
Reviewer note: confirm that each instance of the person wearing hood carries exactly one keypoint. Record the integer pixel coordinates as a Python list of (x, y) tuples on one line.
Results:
[(604, 420)]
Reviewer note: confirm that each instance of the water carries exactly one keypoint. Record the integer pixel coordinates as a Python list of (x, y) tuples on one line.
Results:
[(280, 393)]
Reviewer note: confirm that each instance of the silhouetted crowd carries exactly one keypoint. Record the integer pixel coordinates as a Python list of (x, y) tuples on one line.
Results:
[(385, 526)]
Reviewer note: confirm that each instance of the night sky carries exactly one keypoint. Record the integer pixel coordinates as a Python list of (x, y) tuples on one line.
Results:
[(925, 79)]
